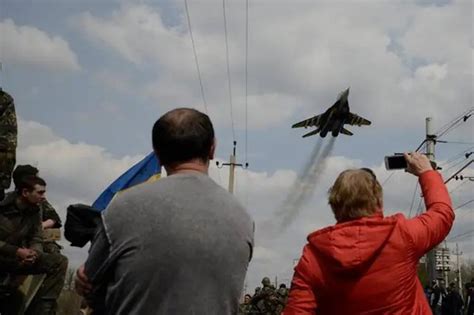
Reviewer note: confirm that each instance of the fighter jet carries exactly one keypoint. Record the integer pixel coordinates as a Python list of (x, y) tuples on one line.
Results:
[(333, 119)]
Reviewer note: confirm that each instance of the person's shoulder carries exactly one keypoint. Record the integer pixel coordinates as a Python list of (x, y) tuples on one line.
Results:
[(9, 200)]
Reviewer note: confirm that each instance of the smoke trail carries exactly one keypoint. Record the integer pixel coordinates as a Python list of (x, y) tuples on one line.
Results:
[(298, 186), (305, 184)]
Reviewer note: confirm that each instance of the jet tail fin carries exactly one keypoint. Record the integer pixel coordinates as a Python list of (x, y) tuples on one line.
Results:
[(346, 132)]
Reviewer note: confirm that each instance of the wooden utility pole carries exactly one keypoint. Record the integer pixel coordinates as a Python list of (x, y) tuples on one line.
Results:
[(430, 152), (232, 164)]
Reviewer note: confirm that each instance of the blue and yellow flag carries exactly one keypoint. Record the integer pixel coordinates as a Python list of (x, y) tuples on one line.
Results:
[(146, 170)]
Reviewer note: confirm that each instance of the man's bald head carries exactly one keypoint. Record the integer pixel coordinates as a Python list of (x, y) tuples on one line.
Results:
[(182, 135)]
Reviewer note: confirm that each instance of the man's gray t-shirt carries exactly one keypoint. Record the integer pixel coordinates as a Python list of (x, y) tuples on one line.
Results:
[(180, 245)]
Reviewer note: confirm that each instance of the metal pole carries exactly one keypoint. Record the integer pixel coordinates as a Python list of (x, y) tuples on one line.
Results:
[(430, 152)]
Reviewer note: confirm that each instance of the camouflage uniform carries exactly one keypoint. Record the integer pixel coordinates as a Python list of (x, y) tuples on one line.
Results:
[(49, 213), (8, 140), (282, 297), (265, 301), (22, 228)]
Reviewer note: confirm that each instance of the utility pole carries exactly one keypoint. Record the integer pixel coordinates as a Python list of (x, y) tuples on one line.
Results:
[(446, 264), (430, 152), (232, 164), (458, 267)]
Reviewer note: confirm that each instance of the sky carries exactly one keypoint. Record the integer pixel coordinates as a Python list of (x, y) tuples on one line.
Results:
[(90, 78)]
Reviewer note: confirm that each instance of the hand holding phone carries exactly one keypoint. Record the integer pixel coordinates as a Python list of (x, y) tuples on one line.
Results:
[(417, 163)]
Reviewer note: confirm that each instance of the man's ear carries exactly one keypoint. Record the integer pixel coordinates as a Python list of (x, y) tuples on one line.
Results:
[(24, 192), (213, 150)]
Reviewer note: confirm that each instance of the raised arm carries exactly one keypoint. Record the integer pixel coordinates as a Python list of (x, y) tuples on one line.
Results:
[(430, 228)]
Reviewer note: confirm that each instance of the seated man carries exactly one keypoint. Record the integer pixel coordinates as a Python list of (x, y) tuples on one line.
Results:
[(49, 216), (21, 249)]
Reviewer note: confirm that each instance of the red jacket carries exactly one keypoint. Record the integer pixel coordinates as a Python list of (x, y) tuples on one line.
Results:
[(369, 265)]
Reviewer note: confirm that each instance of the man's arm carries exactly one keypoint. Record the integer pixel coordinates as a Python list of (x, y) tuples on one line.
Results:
[(50, 218), (6, 249), (36, 240), (301, 299), (92, 278)]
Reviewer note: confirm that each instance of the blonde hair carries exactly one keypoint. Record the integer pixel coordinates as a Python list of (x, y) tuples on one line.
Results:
[(356, 193)]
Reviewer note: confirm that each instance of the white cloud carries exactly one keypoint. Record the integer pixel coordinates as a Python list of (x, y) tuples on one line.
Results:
[(74, 171), (31, 46), (299, 66)]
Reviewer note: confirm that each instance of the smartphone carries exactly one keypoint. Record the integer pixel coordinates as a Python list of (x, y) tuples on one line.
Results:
[(395, 162)]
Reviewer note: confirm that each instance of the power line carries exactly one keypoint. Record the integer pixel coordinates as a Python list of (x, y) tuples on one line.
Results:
[(464, 204), (457, 187), (452, 122), (454, 142), (413, 199), (228, 70), (455, 123), (195, 56), (246, 75), (458, 156), (460, 235), (453, 166), (388, 178), (459, 171)]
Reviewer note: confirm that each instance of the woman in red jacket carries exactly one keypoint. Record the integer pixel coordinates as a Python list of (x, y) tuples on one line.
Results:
[(367, 263)]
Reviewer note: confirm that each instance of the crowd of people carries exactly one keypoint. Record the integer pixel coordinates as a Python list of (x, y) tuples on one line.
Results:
[(182, 244), (448, 300), (267, 300)]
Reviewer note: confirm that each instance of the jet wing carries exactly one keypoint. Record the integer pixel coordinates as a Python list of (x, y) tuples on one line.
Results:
[(353, 119), (310, 122)]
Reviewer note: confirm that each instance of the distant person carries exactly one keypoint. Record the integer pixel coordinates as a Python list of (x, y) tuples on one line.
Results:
[(245, 306), (8, 140), (438, 297), (180, 245), (367, 263), (470, 297), (49, 217), (453, 303), (21, 248)]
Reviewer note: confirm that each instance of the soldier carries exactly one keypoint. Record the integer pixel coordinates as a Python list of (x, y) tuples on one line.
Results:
[(282, 296), (8, 140), (49, 216), (245, 307), (265, 301), (21, 250)]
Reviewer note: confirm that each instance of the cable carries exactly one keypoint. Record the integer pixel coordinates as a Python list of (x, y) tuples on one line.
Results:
[(464, 204), (460, 235), (413, 199), (246, 76), (453, 166), (457, 121), (195, 57), (459, 156), (388, 178), (246, 189), (228, 70), (457, 187), (454, 142), (419, 209), (453, 121)]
